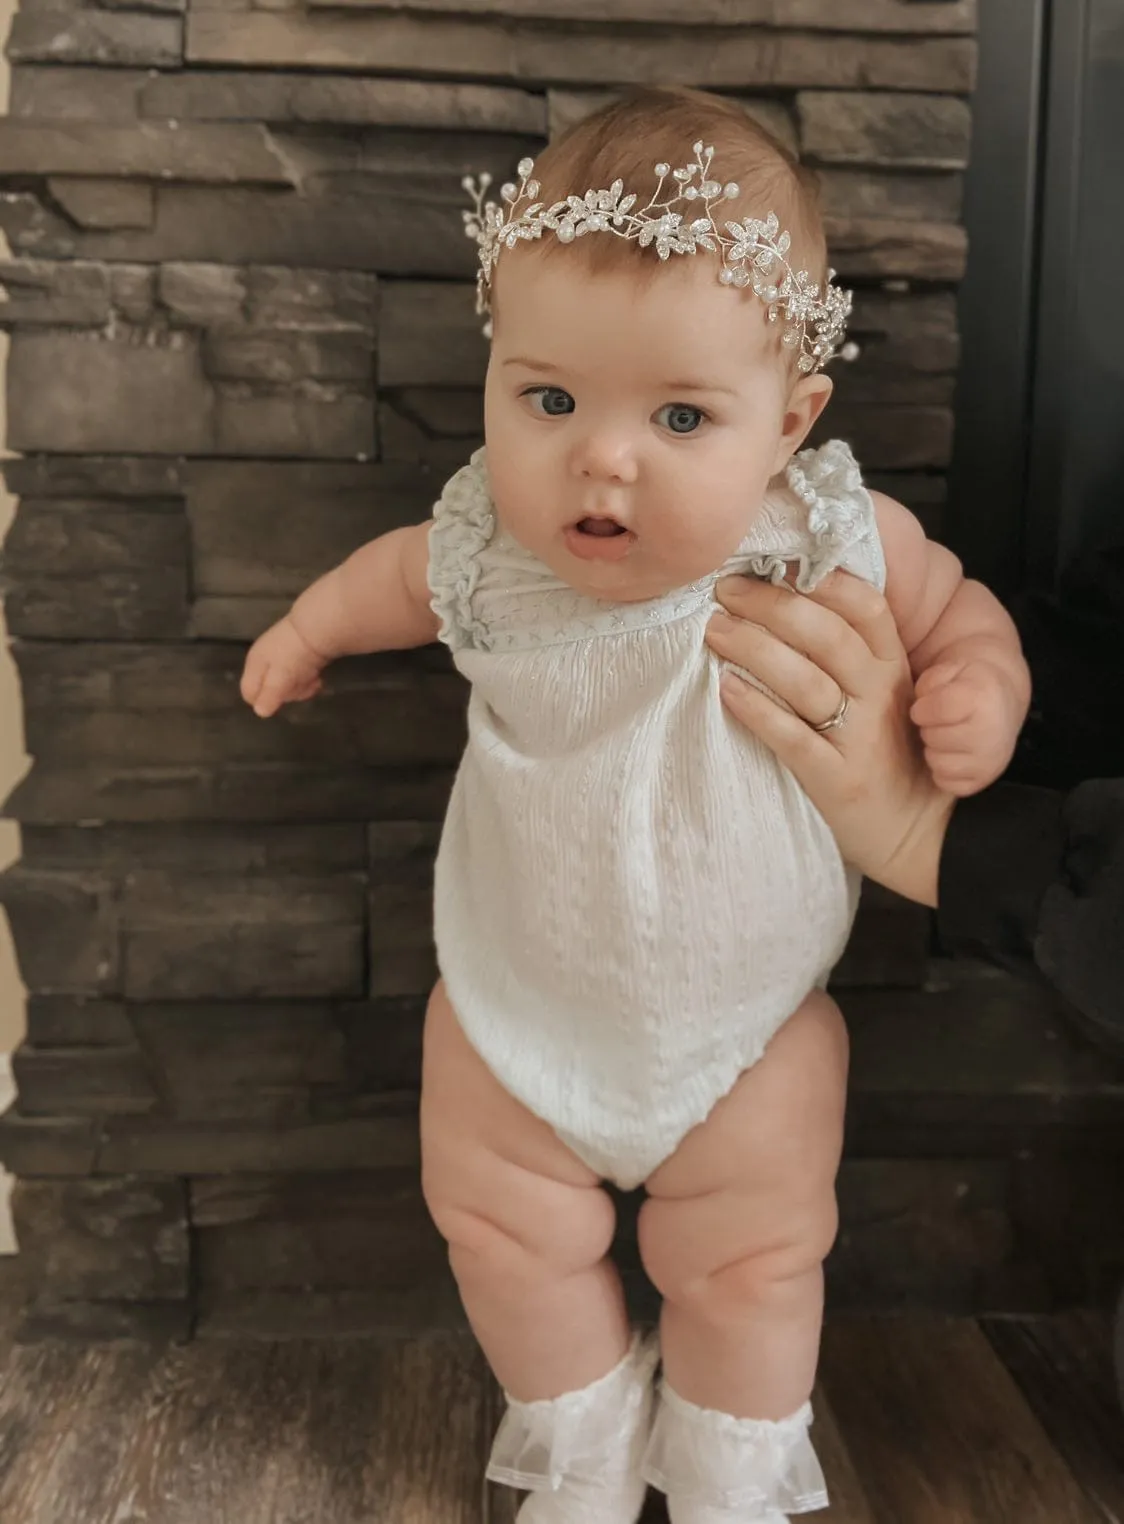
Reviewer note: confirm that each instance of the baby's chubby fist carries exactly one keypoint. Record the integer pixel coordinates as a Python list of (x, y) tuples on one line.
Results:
[(281, 668), (969, 714)]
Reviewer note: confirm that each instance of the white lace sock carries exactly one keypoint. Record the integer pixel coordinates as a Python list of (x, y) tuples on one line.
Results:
[(717, 1469), (579, 1455)]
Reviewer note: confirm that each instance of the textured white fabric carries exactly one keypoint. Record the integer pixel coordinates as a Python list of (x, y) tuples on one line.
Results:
[(717, 1469), (632, 894), (580, 1455)]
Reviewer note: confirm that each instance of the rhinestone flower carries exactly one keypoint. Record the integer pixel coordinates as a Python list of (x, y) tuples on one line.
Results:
[(753, 253)]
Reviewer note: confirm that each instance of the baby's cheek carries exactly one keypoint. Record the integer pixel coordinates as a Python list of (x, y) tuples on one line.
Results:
[(707, 536)]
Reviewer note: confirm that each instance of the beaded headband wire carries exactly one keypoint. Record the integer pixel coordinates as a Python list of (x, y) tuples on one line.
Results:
[(682, 217)]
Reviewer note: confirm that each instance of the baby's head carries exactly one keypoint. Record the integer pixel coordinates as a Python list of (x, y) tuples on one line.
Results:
[(637, 408)]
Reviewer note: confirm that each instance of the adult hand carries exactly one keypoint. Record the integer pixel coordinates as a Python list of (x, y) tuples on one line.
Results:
[(866, 776)]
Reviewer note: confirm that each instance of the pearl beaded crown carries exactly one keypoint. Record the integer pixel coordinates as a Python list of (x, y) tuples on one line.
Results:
[(682, 218)]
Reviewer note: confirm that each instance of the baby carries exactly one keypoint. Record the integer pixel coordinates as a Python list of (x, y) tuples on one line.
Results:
[(637, 909)]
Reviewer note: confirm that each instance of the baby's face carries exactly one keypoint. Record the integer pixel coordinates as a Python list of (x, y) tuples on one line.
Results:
[(632, 426)]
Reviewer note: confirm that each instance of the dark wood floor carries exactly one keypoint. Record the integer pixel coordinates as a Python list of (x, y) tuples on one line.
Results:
[(921, 1421)]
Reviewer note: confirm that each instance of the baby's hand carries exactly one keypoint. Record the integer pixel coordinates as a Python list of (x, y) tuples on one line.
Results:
[(281, 668), (969, 717)]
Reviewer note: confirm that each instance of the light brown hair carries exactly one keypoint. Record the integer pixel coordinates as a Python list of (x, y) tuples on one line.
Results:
[(626, 138)]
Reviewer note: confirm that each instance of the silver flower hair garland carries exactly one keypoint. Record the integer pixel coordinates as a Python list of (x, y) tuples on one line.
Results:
[(753, 252)]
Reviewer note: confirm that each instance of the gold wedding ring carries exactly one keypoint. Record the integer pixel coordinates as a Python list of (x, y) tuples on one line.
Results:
[(837, 718)]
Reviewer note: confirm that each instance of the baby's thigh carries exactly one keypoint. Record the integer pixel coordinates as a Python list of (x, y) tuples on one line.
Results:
[(498, 1180), (757, 1179)]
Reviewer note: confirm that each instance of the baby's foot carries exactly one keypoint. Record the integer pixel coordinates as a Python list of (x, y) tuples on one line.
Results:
[(700, 1513), (581, 1454), (717, 1469), (606, 1500)]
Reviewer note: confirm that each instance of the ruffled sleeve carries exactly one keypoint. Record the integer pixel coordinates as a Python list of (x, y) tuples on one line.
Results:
[(823, 519), (463, 524)]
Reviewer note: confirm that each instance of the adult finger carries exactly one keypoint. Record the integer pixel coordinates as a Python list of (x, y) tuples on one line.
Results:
[(866, 611), (822, 633), (810, 756), (818, 633), (788, 673)]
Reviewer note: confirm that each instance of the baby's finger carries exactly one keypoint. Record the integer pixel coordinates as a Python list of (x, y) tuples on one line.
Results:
[(274, 691), (308, 691), (959, 788), (952, 773), (253, 674), (950, 740), (937, 677), (954, 705)]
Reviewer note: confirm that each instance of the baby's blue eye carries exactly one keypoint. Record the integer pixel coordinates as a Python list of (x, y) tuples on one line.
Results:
[(551, 401), (680, 418)]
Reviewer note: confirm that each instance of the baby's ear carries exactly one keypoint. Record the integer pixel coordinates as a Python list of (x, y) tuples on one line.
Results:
[(806, 402)]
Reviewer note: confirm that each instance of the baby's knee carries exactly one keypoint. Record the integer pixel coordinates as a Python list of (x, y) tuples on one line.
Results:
[(554, 1236), (775, 1274), (718, 1281)]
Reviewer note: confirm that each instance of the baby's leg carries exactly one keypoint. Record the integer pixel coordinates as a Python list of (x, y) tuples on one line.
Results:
[(529, 1230), (528, 1226), (734, 1235)]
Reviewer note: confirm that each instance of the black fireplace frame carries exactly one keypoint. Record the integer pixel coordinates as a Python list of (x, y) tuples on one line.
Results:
[(1039, 459)]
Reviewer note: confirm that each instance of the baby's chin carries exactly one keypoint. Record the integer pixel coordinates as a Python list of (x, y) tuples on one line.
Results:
[(629, 580)]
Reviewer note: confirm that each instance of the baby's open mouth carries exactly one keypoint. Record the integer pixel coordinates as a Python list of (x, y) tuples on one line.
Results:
[(601, 529), (599, 539)]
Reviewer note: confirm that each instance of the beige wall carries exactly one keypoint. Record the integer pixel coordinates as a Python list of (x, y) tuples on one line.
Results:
[(12, 759)]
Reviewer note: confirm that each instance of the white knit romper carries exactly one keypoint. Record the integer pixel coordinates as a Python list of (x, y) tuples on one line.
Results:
[(632, 894)]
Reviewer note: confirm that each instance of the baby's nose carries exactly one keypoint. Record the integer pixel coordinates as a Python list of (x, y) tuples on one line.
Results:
[(607, 456)]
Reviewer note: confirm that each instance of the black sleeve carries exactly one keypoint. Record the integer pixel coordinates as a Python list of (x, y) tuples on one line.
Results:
[(1032, 874), (1079, 944), (1035, 880), (1003, 850), (1073, 638)]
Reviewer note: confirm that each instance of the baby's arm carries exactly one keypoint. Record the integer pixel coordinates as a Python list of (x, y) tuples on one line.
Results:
[(972, 684), (376, 600)]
